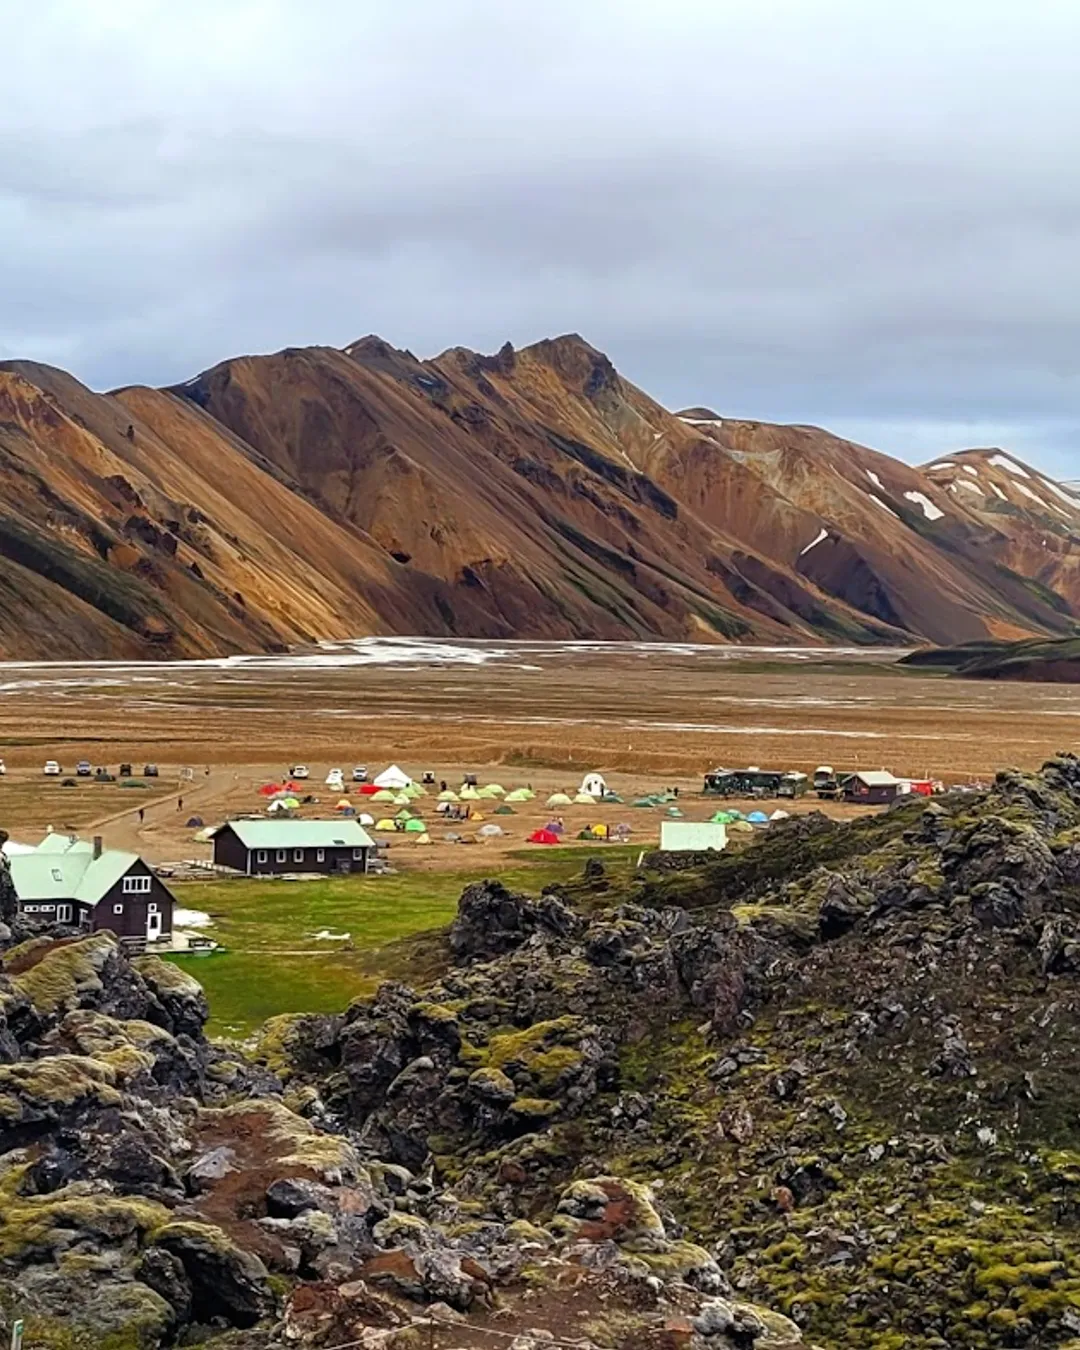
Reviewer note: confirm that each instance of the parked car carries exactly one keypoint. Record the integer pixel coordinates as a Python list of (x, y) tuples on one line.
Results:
[(125, 770), (359, 773), (299, 771), (52, 769), (150, 771), (83, 769), (3, 768)]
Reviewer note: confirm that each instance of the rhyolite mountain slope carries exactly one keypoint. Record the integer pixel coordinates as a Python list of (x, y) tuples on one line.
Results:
[(322, 493), (821, 1092)]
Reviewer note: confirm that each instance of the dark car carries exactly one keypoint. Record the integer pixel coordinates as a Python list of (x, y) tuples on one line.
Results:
[(150, 771)]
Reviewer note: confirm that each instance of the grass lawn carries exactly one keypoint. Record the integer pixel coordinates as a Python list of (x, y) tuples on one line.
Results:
[(274, 963)]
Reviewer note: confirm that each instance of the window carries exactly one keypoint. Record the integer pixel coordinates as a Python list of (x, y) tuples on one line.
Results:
[(29, 909), (261, 855), (320, 855), (118, 909), (298, 855), (358, 854), (151, 909), (136, 885), (63, 913), (57, 875), (281, 855)]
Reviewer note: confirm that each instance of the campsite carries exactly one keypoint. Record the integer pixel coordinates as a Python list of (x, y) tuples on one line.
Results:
[(535, 721)]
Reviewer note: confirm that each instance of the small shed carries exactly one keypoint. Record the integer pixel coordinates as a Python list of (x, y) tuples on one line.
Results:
[(692, 836), (874, 787)]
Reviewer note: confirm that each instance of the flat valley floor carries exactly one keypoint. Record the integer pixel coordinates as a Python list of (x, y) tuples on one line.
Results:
[(648, 717)]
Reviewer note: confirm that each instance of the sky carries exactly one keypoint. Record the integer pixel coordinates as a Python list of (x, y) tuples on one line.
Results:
[(862, 214)]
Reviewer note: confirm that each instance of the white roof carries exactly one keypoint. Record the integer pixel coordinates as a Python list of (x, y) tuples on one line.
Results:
[(299, 833), (877, 778)]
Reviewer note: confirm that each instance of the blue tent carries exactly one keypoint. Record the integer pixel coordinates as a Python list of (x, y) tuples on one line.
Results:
[(758, 818)]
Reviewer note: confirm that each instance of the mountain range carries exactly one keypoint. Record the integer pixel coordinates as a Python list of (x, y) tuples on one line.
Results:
[(325, 493)]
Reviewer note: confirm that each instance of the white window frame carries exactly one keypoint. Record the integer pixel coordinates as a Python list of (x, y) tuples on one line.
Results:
[(137, 885), (63, 913), (320, 855), (262, 856), (281, 855), (151, 909), (358, 855), (298, 855), (118, 909)]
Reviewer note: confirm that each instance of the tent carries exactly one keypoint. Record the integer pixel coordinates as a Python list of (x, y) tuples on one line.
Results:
[(487, 794), (422, 839), (384, 795), (621, 831), (613, 797), (554, 827), (593, 785), (348, 811), (643, 801), (584, 799), (449, 795), (543, 837), (204, 836), (744, 826), (558, 799), (343, 803), (780, 815), (386, 825), (271, 790), (367, 789), (586, 833), (275, 807), (674, 813), (195, 823), (497, 788), (393, 777), (404, 815), (402, 799), (475, 816), (722, 818), (415, 826), (490, 831), (599, 832), (758, 818), (413, 791), (365, 819), (468, 794), (335, 776), (504, 811), (518, 795)]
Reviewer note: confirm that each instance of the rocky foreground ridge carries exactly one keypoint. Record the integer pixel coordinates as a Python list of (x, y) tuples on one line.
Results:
[(822, 1093)]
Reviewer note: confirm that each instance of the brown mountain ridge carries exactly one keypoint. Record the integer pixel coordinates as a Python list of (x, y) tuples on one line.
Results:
[(322, 494)]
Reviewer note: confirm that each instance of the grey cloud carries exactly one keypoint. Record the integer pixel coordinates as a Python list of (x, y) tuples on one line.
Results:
[(863, 216)]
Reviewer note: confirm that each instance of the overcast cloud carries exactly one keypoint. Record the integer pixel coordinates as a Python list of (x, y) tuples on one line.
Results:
[(859, 213)]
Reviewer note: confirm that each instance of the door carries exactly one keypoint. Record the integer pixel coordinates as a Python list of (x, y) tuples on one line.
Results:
[(153, 924)]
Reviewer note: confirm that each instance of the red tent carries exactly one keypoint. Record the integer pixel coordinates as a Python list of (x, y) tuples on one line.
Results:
[(543, 837), (270, 790), (367, 789)]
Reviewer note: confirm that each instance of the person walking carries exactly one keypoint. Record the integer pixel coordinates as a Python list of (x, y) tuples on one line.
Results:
[(179, 803), (142, 813)]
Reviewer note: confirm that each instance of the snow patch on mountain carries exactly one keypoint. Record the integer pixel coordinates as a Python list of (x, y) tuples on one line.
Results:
[(929, 510), (1004, 462), (883, 505), (814, 542)]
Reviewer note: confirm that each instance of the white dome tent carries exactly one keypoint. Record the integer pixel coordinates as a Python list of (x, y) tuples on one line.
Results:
[(593, 785)]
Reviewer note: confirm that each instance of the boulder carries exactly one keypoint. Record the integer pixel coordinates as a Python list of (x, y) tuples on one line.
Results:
[(225, 1281)]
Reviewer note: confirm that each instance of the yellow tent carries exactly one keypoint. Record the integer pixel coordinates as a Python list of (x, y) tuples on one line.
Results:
[(386, 825), (422, 839)]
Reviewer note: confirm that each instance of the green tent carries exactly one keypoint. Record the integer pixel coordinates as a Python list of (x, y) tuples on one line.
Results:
[(496, 788), (404, 815), (504, 811), (643, 801), (486, 794), (518, 795), (674, 813), (447, 795), (415, 827)]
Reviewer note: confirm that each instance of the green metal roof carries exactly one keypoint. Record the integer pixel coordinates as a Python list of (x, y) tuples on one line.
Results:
[(75, 875), (57, 841), (300, 834)]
